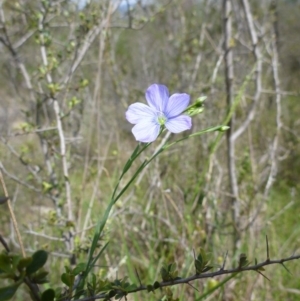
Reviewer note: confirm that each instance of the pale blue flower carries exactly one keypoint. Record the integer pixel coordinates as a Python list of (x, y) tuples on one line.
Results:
[(162, 111)]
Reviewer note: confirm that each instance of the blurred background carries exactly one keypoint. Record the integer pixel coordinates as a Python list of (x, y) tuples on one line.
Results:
[(80, 64)]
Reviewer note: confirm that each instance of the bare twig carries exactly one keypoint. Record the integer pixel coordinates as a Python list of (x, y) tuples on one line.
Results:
[(60, 130), (14, 178), (228, 58), (267, 248), (275, 143), (48, 237), (220, 272), (258, 61), (4, 244)]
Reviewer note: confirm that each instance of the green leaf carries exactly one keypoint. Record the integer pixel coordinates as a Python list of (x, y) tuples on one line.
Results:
[(156, 285), (48, 295), (8, 263), (5, 263), (243, 260), (131, 287), (164, 274), (201, 262), (3, 199), (15, 259), (79, 268), (149, 288), (172, 267), (198, 266), (111, 293), (46, 186), (24, 263), (8, 292), (67, 279), (40, 277), (206, 268), (39, 258), (7, 275), (204, 256), (104, 285)]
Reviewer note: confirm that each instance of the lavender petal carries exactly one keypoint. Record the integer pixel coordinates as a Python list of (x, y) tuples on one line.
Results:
[(137, 112), (146, 131), (177, 104), (179, 124), (157, 97)]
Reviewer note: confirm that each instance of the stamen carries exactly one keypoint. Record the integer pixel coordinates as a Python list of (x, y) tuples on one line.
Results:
[(161, 119)]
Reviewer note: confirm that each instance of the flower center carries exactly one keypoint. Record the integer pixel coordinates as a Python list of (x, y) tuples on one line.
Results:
[(161, 119)]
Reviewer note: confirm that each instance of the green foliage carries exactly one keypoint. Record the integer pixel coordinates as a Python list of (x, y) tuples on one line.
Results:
[(48, 295), (201, 262), (17, 269), (243, 261), (6, 293), (39, 258), (169, 272)]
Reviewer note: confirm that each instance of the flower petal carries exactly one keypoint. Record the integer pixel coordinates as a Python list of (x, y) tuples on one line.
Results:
[(146, 131), (179, 124), (177, 103), (157, 97), (138, 111)]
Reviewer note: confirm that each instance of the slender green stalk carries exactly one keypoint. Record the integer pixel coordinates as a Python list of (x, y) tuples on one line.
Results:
[(220, 284), (115, 197)]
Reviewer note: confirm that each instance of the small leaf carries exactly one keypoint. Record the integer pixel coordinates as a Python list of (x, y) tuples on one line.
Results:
[(94, 281), (104, 285), (79, 268), (7, 275), (111, 293), (164, 274), (5, 263), (156, 285), (150, 288), (67, 268), (131, 287), (243, 260), (24, 263), (8, 292), (200, 259), (39, 259), (48, 295), (3, 199), (66, 279), (205, 257), (207, 268), (40, 277), (15, 259), (172, 267), (120, 295), (198, 266), (46, 186)]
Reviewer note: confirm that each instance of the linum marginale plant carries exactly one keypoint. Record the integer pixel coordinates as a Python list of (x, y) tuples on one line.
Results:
[(164, 115)]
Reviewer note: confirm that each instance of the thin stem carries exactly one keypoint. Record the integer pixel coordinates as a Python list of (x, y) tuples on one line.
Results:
[(229, 77), (13, 217), (232, 272)]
